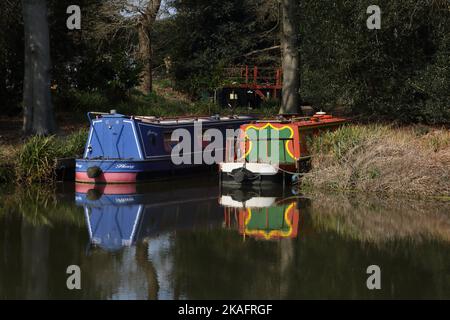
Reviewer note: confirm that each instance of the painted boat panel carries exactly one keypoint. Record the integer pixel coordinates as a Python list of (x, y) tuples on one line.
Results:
[(114, 138)]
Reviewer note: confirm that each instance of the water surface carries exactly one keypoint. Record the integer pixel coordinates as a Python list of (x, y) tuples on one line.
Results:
[(190, 239)]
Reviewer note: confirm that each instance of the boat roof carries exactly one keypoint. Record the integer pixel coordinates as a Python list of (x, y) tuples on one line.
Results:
[(183, 120), (313, 121), (320, 118), (173, 120)]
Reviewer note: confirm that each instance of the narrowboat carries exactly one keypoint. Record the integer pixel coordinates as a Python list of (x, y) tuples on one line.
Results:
[(129, 149), (273, 150)]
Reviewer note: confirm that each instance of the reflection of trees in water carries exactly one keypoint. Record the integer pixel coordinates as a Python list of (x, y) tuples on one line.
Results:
[(321, 262), (40, 205), (286, 252), (35, 253), (125, 274), (147, 267), (338, 238), (380, 220), (35, 257), (219, 264)]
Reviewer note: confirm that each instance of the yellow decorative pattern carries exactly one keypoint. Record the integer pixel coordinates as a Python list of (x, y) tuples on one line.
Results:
[(274, 128)]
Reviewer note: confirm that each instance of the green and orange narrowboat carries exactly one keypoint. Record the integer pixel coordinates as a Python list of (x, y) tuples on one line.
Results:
[(273, 150)]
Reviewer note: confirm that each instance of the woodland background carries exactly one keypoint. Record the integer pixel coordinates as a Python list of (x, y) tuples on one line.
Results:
[(400, 72)]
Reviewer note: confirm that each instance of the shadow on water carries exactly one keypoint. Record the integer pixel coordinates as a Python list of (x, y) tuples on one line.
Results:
[(191, 239)]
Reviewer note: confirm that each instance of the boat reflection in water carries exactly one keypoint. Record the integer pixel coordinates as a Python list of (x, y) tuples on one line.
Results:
[(120, 216), (262, 214), (113, 214), (162, 238), (135, 226)]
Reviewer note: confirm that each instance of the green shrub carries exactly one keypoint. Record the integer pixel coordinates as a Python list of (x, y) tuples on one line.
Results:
[(72, 145), (36, 159)]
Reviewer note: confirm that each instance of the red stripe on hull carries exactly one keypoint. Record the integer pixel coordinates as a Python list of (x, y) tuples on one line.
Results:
[(111, 177)]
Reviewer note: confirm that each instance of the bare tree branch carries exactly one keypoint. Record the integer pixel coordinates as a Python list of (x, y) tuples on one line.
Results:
[(261, 51)]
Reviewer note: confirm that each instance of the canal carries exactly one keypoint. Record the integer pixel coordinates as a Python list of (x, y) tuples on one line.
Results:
[(191, 239)]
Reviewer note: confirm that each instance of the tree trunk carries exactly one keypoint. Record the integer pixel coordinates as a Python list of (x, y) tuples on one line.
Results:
[(145, 55), (291, 71), (145, 44), (37, 105)]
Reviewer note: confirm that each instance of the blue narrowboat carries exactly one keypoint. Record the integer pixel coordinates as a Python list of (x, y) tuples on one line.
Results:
[(129, 149)]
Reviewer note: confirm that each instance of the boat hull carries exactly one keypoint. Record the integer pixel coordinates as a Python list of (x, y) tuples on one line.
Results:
[(250, 174), (130, 171)]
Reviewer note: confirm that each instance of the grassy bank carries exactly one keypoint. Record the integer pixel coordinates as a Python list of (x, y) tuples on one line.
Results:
[(35, 159), (382, 159)]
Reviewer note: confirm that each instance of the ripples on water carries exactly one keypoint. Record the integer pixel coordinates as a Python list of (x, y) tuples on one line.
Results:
[(193, 240)]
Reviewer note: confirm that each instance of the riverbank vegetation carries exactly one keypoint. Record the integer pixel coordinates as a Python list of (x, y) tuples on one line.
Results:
[(35, 159), (382, 159)]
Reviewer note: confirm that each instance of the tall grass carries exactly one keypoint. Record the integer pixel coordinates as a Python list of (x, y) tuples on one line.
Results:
[(382, 159), (36, 159), (72, 145), (345, 140)]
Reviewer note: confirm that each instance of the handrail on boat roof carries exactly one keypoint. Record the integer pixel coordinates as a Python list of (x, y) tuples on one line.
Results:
[(90, 114)]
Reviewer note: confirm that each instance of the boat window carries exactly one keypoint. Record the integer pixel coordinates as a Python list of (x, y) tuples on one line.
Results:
[(152, 137), (168, 143)]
